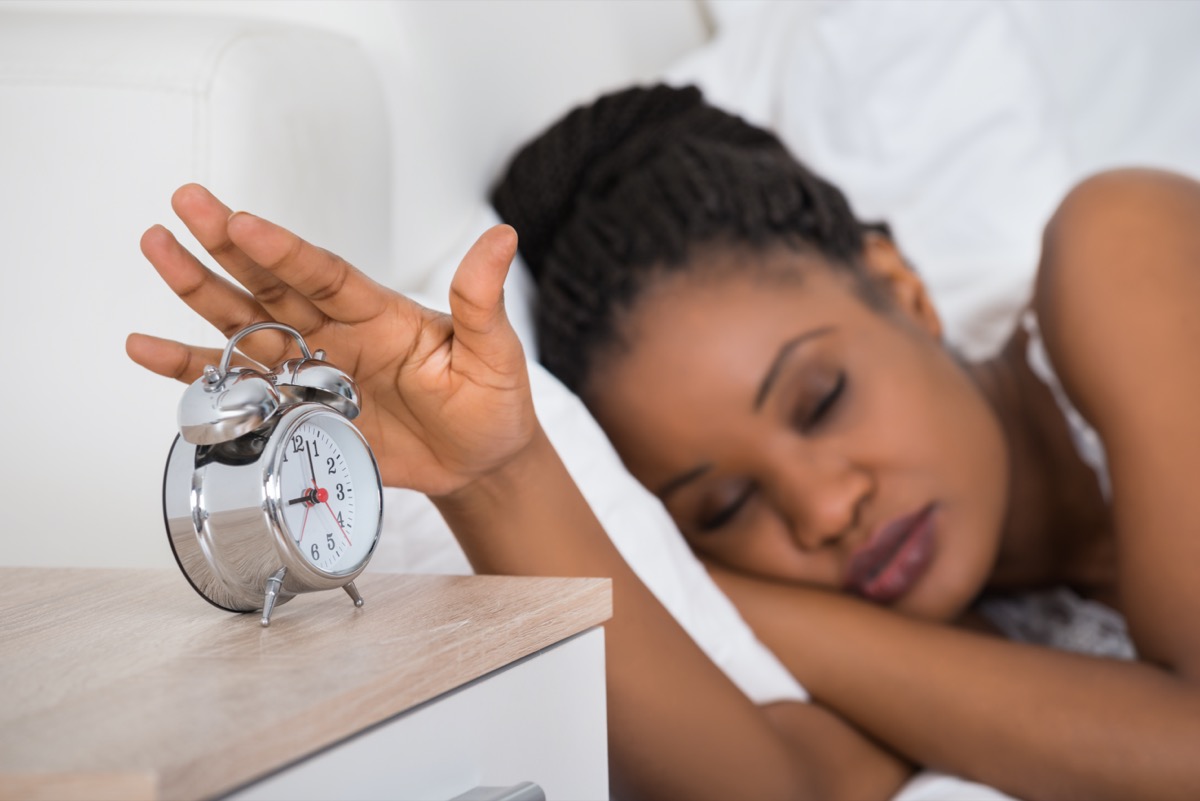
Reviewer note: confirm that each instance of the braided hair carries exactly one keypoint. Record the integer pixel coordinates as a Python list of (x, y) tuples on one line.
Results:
[(623, 190)]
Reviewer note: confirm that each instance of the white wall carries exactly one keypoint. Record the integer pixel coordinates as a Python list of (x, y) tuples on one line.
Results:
[(465, 81)]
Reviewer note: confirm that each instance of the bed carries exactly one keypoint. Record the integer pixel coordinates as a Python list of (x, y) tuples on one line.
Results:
[(375, 129)]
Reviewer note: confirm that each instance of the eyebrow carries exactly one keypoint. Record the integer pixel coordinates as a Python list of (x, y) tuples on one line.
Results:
[(764, 389), (776, 367), (680, 480)]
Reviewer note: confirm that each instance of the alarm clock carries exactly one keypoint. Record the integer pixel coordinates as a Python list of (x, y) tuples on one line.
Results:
[(269, 489)]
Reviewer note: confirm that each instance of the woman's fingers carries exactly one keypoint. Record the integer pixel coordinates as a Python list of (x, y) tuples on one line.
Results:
[(477, 300), (225, 306), (174, 359), (330, 283), (207, 218), (206, 293)]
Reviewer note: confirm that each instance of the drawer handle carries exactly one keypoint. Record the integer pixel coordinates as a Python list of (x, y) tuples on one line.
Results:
[(524, 791)]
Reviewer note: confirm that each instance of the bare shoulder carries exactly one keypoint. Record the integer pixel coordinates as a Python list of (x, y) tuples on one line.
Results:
[(1120, 272), (1117, 298)]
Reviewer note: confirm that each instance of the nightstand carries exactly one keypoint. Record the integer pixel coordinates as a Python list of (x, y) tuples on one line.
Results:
[(126, 684)]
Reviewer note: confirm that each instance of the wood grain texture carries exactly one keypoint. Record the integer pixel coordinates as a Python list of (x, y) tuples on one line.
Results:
[(126, 683)]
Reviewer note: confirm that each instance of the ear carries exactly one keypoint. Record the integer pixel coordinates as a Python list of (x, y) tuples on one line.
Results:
[(899, 283)]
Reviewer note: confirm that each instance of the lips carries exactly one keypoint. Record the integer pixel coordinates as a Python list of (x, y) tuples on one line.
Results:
[(894, 558)]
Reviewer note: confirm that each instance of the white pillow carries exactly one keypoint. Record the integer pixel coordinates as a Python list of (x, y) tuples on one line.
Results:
[(416, 539)]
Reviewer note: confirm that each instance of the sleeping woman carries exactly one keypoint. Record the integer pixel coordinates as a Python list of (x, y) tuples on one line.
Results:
[(773, 369)]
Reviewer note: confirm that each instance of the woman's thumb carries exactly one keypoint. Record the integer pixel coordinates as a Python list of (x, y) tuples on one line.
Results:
[(477, 297)]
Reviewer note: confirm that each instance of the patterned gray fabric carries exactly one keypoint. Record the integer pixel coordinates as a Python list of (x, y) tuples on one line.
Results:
[(1060, 618)]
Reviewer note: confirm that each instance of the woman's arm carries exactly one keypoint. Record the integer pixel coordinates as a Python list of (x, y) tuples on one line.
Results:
[(447, 409), (1027, 720), (1117, 300)]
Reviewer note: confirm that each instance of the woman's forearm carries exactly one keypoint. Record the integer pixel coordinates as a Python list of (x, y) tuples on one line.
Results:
[(678, 727), (1034, 722)]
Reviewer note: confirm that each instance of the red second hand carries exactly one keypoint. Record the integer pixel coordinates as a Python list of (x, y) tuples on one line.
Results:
[(303, 523), (311, 498), (323, 497)]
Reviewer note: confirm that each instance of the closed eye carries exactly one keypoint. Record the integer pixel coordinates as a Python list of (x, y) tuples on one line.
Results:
[(724, 515), (826, 403)]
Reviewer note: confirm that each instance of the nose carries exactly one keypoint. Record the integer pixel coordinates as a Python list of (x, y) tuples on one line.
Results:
[(821, 497)]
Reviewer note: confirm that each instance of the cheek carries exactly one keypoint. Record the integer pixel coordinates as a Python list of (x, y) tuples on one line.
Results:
[(977, 463), (972, 486), (931, 413)]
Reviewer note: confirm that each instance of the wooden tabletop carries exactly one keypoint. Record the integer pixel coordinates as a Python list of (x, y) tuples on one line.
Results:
[(126, 684)]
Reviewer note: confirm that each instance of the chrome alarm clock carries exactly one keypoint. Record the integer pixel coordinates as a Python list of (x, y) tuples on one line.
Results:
[(270, 490)]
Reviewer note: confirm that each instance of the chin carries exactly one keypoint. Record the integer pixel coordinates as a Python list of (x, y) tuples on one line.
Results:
[(942, 598), (938, 610)]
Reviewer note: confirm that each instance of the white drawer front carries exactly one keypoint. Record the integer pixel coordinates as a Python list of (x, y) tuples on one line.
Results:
[(542, 719)]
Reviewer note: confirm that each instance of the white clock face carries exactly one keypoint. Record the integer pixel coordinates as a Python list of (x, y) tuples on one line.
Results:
[(329, 494)]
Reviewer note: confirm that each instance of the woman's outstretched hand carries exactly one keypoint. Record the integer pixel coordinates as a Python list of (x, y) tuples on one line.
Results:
[(445, 398)]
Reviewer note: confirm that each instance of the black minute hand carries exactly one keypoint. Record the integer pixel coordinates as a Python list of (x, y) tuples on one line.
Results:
[(312, 471)]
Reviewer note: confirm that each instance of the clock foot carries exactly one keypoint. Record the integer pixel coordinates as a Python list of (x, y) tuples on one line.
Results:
[(273, 585), (352, 591)]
